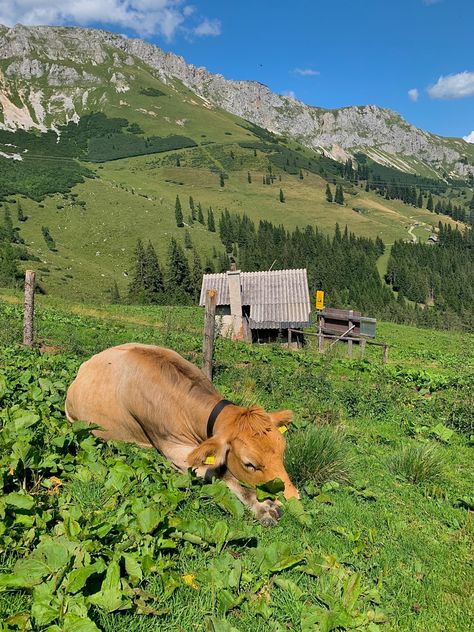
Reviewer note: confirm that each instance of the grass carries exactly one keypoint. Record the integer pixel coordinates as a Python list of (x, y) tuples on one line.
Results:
[(412, 544), (418, 464), (317, 455)]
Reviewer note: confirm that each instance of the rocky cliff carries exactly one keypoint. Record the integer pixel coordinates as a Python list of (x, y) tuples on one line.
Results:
[(50, 75)]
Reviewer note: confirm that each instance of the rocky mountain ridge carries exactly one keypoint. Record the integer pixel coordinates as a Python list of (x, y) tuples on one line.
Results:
[(49, 75)]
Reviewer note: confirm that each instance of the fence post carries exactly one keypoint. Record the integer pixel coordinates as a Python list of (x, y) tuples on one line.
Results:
[(349, 342), (321, 335), (209, 327), (362, 348), (385, 354), (29, 309)]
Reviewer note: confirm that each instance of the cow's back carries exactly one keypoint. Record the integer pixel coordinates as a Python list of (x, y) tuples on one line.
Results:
[(133, 390)]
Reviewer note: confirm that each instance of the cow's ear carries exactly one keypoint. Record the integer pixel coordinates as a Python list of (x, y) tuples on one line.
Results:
[(211, 453), (281, 419)]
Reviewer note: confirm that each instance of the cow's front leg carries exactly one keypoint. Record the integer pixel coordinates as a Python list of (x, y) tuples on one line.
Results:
[(268, 512)]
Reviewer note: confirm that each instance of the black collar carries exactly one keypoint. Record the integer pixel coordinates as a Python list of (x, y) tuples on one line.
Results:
[(214, 414)]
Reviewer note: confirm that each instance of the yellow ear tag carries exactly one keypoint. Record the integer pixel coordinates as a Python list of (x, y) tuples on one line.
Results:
[(282, 429), (210, 460)]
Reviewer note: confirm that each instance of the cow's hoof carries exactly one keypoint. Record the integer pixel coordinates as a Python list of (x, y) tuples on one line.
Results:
[(268, 513)]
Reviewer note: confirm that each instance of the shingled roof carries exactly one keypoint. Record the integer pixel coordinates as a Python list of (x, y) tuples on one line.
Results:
[(278, 299)]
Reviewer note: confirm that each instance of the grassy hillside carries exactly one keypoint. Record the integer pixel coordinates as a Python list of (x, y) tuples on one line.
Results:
[(375, 547), (96, 230)]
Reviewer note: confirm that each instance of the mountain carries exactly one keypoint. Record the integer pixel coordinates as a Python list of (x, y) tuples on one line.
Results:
[(99, 135), (51, 75)]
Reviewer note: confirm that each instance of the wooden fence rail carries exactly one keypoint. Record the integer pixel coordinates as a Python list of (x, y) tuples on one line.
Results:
[(362, 342)]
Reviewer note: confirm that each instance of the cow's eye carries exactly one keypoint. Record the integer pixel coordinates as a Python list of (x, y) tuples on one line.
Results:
[(250, 466)]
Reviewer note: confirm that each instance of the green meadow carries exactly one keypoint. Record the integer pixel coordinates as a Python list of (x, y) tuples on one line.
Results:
[(109, 537)]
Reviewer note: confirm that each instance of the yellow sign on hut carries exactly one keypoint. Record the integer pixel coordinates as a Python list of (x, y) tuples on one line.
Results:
[(319, 299)]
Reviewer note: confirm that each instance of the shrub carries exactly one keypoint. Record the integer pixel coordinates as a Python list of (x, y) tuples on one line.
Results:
[(417, 464), (316, 455)]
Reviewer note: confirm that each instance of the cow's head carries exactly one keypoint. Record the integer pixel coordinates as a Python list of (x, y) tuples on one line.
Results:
[(250, 444)]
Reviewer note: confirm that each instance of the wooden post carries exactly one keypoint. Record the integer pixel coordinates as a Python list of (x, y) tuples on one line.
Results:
[(385, 354), (349, 342), (320, 334), (209, 327), (362, 348), (29, 309), (289, 338)]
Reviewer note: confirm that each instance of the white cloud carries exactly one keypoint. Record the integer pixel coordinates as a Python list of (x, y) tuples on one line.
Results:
[(306, 72), (291, 94), (455, 86), (430, 2), (144, 17), (469, 137), (413, 94), (208, 27)]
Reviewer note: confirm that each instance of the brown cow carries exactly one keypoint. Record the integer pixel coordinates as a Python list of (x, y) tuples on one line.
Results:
[(153, 397)]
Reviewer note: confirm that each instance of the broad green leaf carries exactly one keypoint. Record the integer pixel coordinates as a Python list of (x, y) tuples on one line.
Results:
[(133, 568), (269, 489), (443, 433), (148, 519), (78, 577), (108, 600), (295, 508), (220, 625), (289, 586), (74, 623), (53, 553), (352, 590), (325, 620), (277, 557), (20, 501), (222, 495), (23, 419), (45, 606), (26, 574), (3, 387)]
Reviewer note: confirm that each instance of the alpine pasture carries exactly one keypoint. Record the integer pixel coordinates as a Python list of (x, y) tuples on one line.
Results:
[(110, 537)]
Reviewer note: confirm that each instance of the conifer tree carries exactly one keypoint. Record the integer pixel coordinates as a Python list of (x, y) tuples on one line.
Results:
[(192, 208), (211, 224), (153, 276), (209, 266), (329, 197), (21, 216), (10, 275), (187, 240), (419, 201), (48, 238), (282, 196), (221, 180), (136, 288), (339, 197), (178, 212), (429, 203), (178, 162), (249, 177), (301, 174), (196, 275), (178, 284), (200, 214)]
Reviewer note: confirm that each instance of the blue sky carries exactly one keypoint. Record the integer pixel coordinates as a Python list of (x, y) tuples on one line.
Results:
[(328, 54)]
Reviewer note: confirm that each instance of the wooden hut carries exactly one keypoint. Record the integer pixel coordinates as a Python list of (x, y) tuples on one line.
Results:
[(259, 306)]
